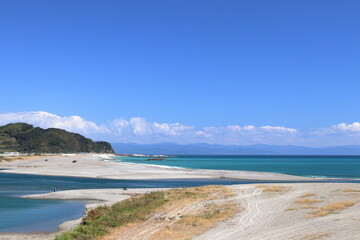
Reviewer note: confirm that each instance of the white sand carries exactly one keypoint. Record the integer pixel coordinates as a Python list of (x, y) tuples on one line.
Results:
[(95, 166), (263, 216), (275, 216)]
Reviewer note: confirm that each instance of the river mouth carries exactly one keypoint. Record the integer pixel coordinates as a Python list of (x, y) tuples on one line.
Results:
[(24, 215), (20, 215)]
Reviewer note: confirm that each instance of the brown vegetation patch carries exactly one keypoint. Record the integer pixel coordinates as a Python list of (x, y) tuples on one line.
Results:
[(188, 212), (332, 207), (351, 190), (307, 201), (272, 188), (315, 236), (338, 206), (309, 207), (195, 224), (307, 195)]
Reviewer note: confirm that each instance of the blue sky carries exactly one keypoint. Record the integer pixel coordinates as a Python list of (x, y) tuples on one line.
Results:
[(201, 64)]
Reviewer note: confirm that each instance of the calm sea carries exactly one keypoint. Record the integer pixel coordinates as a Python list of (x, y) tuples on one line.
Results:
[(311, 166)]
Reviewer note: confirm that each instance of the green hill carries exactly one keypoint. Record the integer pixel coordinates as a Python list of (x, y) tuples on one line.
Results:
[(25, 138)]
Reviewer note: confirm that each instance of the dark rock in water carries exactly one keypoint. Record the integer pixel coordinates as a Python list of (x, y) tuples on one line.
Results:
[(155, 159)]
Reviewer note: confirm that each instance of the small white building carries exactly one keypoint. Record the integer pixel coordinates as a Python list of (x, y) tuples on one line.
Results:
[(10, 154)]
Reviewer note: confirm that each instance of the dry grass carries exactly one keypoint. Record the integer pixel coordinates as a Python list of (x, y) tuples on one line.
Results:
[(309, 207), (6, 159), (307, 195), (315, 236), (15, 158), (331, 208), (306, 201), (188, 212), (196, 224), (338, 206), (351, 190), (271, 188)]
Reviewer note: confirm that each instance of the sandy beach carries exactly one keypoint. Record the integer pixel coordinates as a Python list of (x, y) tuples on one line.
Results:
[(271, 211), (97, 166)]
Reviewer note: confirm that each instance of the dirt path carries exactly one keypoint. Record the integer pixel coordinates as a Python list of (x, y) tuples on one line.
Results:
[(181, 216), (276, 216)]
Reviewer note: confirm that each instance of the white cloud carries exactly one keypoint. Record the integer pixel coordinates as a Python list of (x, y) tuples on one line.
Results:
[(48, 120), (140, 127), (340, 129), (279, 129), (354, 127), (140, 130)]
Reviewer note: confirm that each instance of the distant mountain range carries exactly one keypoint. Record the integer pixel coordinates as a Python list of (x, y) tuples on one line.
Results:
[(216, 149)]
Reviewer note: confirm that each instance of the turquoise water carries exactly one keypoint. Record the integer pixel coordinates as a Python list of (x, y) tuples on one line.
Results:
[(26, 215), (312, 166)]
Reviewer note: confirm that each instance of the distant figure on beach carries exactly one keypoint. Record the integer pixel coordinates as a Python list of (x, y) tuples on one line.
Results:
[(124, 188), (54, 189)]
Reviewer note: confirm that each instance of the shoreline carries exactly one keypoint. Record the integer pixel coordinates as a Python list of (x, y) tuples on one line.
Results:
[(104, 166), (102, 197), (278, 207), (99, 166)]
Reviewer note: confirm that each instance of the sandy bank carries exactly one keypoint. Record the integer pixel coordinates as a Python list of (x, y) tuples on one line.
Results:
[(270, 212), (286, 215), (96, 197), (96, 166)]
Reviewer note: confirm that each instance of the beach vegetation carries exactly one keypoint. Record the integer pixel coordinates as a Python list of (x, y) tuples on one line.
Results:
[(272, 188), (178, 214), (332, 208), (351, 190), (309, 207), (306, 201), (100, 220), (307, 195), (316, 236)]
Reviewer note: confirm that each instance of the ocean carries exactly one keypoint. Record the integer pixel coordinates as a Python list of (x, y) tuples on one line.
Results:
[(309, 166)]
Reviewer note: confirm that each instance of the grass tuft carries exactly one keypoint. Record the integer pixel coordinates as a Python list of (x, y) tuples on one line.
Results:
[(307, 195), (331, 208), (316, 236), (306, 201), (99, 221), (270, 188), (309, 207), (350, 190)]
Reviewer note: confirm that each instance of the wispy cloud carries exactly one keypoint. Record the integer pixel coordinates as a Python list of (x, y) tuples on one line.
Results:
[(342, 128), (140, 130)]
